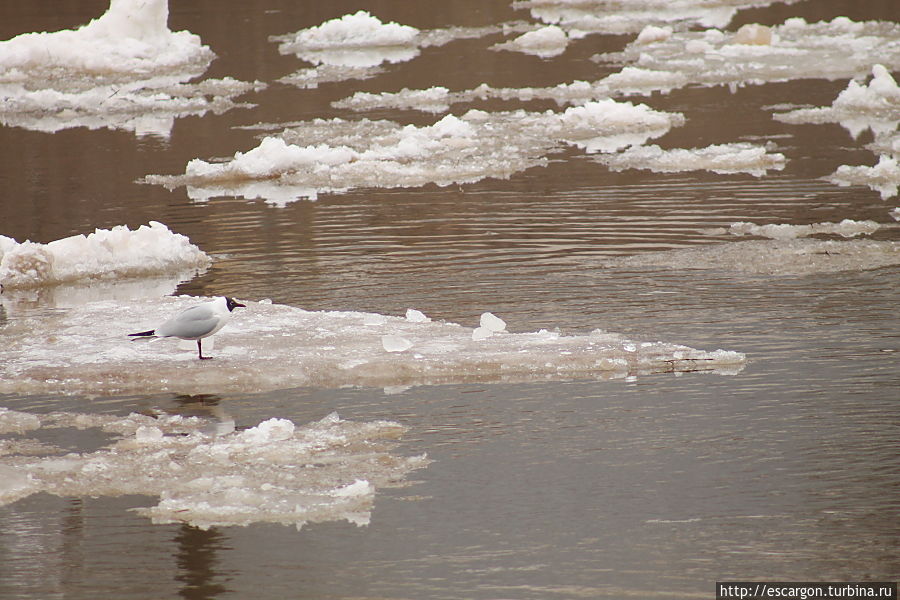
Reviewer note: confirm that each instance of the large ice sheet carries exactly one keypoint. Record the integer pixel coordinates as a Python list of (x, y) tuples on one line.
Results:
[(123, 70), (269, 346), (206, 474), (757, 54), (327, 156), (118, 253)]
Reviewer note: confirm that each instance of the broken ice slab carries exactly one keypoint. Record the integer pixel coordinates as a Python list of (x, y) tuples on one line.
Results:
[(780, 257), (274, 472), (85, 349)]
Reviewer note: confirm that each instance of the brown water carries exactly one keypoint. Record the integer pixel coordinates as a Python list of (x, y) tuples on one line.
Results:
[(651, 486)]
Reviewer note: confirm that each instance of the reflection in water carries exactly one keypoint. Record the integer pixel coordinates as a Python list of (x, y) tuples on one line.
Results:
[(198, 562)]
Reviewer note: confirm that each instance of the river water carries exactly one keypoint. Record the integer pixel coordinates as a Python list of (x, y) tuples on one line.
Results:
[(651, 485)]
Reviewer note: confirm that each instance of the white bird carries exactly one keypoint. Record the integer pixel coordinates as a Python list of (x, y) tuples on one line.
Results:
[(196, 322)]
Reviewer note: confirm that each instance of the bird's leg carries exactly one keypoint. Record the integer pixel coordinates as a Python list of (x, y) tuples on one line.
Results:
[(200, 351)]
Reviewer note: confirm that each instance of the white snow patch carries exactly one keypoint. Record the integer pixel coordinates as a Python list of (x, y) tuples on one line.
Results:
[(148, 251)]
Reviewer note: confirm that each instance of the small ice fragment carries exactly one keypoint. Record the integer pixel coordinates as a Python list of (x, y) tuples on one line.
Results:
[(271, 430), (360, 487), (148, 435), (652, 33), (492, 323), (753, 34), (395, 343), (481, 333), (415, 316)]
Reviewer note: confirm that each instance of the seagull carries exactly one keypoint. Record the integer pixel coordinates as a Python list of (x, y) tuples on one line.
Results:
[(196, 322)]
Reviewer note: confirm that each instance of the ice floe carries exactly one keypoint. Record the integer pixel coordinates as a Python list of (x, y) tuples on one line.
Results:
[(148, 251), (754, 159), (780, 257), (545, 42), (883, 177), (123, 70), (615, 17), (337, 155), (874, 106), (757, 54), (84, 349), (355, 46), (847, 228), (274, 472)]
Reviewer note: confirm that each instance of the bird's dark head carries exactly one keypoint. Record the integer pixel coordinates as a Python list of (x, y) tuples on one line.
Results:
[(232, 304)]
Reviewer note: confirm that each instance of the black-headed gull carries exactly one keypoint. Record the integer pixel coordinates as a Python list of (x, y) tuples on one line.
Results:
[(196, 322)]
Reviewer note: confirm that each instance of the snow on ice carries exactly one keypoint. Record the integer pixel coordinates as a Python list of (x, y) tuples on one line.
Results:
[(84, 349), (337, 155), (275, 472), (123, 70), (148, 251)]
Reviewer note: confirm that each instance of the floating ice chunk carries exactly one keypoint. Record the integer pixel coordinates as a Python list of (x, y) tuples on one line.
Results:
[(272, 346), (791, 257), (358, 29), (757, 54), (719, 158), (276, 472), (884, 177), (341, 155), (545, 42), (12, 421), (132, 36), (124, 70), (652, 33), (492, 322), (895, 213), (847, 228), (753, 34), (105, 254), (416, 316), (272, 430), (395, 343), (616, 17), (858, 107)]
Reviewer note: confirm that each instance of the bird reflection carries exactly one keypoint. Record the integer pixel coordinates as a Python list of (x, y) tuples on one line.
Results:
[(197, 560)]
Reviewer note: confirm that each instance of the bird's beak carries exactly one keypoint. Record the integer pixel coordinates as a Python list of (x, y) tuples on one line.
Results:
[(236, 304)]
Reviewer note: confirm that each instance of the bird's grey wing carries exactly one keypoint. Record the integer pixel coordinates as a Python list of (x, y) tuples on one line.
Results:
[(194, 322)]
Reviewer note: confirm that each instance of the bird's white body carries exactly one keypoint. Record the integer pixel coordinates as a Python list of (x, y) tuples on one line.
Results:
[(196, 322)]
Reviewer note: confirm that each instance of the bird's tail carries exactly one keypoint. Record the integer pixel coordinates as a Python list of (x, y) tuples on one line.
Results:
[(149, 333)]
